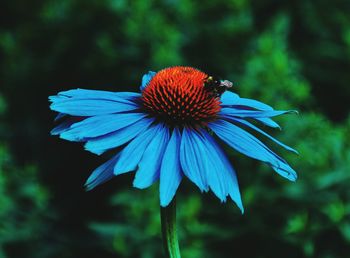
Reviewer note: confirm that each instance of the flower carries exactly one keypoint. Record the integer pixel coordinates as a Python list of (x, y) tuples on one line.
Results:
[(170, 130)]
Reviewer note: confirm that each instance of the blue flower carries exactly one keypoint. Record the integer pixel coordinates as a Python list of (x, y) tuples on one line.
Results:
[(170, 130)]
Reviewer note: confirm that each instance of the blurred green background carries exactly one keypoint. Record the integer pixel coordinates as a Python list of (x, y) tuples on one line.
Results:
[(290, 54)]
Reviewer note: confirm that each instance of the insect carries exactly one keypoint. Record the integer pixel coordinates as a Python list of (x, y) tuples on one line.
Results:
[(216, 86)]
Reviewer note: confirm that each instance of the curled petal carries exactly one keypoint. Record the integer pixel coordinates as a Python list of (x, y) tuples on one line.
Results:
[(249, 145), (101, 174), (146, 79)]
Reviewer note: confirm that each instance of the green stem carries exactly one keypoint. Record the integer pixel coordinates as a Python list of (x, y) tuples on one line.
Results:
[(168, 220)]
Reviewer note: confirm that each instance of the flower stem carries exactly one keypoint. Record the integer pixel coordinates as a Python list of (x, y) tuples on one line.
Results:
[(169, 232)]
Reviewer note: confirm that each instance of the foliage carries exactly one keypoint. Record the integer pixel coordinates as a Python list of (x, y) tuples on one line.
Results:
[(24, 208)]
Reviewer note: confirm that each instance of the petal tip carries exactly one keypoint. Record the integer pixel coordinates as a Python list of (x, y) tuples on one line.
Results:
[(88, 188), (292, 177), (138, 184), (295, 112), (242, 209), (164, 202)]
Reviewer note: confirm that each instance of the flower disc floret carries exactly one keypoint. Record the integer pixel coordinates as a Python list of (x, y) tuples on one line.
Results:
[(177, 96)]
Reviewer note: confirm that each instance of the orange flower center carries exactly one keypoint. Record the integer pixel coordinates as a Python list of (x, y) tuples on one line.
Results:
[(177, 96)]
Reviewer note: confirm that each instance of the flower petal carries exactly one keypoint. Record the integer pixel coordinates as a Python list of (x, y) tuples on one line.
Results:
[(229, 98), (192, 163), (265, 134), (249, 145), (146, 79), (91, 107), (123, 97), (101, 174), (252, 103), (221, 177), (253, 113), (170, 171), (99, 145), (64, 126), (131, 155), (148, 169), (59, 116), (100, 125), (210, 162), (268, 122)]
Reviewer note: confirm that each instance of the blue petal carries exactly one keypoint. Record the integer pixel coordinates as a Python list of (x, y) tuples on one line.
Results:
[(253, 113), (192, 164), (209, 162), (59, 116), (123, 97), (101, 174), (221, 177), (148, 169), (80, 102), (103, 143), (265, 134), (91, 107), (268, 122), (249, 145), (131, 155), (100, 125), (64, 126), (251, 103), (146, 79), (170, 171), (229, 98), (57, 98)]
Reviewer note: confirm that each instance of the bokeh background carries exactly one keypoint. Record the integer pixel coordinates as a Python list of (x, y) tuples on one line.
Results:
[(290, 54)]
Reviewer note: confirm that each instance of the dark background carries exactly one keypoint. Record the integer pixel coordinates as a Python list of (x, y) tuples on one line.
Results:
[(290, 54)]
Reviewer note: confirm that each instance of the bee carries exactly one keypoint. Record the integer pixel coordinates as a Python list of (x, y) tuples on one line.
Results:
[(216, 86)]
